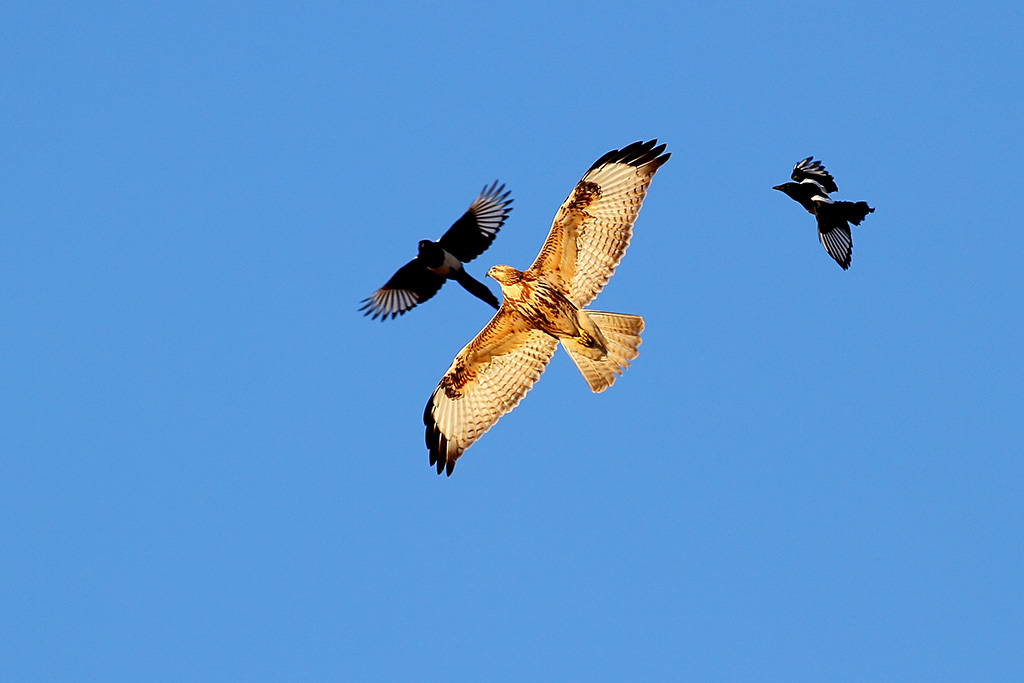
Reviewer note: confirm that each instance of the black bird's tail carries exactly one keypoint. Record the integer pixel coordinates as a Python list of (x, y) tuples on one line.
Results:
[(855, 212), (474, 286)]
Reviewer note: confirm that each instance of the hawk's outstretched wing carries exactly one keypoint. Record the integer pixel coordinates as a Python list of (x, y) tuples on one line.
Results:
[(488, 378), (476, 229), (809, 169), (592, 228), (411, 284)]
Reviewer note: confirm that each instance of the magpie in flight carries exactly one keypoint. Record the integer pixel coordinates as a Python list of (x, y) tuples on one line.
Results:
[(813, 183), (419, 279)]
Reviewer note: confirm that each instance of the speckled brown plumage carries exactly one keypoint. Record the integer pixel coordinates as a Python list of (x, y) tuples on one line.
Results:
[(543, 306)]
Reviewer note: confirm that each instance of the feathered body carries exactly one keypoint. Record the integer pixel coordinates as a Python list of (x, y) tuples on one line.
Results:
[(437, 262), (811, 187), (544, 306)]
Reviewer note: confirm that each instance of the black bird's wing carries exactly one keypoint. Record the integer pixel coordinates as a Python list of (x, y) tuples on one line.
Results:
[(809, 169), (413, 284), (476, 229), (837, 242), (834, 221)]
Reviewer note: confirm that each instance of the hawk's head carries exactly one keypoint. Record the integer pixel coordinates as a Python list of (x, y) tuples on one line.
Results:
[(505, 275)]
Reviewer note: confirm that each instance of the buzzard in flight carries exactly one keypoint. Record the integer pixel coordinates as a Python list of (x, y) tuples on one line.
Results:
[(419, 279), (543, 306), (813, 183)]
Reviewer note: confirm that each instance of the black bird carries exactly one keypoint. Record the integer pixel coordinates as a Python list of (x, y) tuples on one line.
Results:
[(419, 279), (813, 183)]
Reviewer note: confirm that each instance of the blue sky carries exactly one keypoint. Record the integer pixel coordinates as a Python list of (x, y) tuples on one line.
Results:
[(212, 467)]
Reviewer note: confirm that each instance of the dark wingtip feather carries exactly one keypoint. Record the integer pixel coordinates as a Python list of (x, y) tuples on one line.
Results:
[(371, 309), (636, 154), (437, 444), (495, 192)]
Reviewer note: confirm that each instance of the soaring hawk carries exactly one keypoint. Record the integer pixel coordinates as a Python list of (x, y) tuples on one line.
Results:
[(542, 306), (813, 183), (436, 262)]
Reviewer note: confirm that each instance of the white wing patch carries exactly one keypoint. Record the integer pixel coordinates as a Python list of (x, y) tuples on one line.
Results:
[(449, 264), (812, 181)]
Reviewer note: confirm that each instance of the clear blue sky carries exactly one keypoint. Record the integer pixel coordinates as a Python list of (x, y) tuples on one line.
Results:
[(213, 467)]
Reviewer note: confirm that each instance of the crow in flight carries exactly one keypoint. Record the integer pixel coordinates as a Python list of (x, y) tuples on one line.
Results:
[(419, 279), (813, 183)]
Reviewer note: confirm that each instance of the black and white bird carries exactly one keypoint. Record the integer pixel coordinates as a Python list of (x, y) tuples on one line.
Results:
[(436, 262), (813, 183)]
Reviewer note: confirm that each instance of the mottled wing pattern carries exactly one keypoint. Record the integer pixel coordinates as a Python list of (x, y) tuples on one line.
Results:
[(487, 379), (476, 229), (809, 169), (592, 228), (412, 284), (838, 243)]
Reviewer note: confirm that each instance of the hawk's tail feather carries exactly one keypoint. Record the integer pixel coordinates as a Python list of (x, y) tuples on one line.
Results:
[(622, 337)]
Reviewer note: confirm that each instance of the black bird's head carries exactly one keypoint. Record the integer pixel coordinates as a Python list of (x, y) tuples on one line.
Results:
[(808, 194), (790, 189)]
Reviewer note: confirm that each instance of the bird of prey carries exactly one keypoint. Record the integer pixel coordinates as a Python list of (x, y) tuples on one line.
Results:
[(543, 306), (436, 262), (811, 187)]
